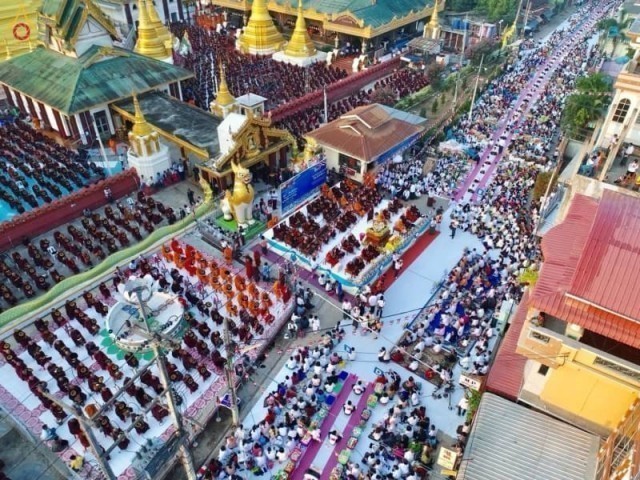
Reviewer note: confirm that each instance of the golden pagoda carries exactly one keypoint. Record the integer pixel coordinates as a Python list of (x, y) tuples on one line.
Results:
[(149, 43), (140, 126), (161, 29), (260, 35), (300, 44), (432, 29), (434, 21), (224, 101), (147, 154)]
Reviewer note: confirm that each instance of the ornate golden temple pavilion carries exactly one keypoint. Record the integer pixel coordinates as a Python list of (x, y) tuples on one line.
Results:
[(372, 21)]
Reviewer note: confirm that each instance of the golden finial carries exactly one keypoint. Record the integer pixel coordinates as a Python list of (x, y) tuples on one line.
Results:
[(224, 97), (140, 126), (434, 22), (161, 30), (300, 44), (149, 43), (260, 36)]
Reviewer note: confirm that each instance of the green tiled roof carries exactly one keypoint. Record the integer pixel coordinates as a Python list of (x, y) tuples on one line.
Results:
[(101, 75), (66, 17), (374, 13)]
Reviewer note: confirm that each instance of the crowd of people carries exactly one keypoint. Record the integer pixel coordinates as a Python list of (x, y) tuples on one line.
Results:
[(38, 265), (457, 326), (402, 82), (36, 170), (304, 121), (289, 410), (503, 216), (278, 82), (407, 179)]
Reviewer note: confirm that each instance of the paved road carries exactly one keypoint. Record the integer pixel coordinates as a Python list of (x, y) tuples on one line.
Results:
[(481, 174)]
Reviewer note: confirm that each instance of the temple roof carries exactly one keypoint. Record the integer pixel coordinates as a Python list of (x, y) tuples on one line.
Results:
[(67, 17), (101, 75), (178, 121), (373, 13), (368, 133)]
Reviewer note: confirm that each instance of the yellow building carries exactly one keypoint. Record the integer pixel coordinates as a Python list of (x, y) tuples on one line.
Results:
[(12, 15), (579, 329), (341, 21)]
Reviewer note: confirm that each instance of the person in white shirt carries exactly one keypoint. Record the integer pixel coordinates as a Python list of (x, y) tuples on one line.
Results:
[(348, 408), (358, 388), (373, 302), (379, 306), (315, 323)]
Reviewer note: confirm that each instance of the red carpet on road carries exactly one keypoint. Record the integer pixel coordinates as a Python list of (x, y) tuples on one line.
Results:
[(409, 257)]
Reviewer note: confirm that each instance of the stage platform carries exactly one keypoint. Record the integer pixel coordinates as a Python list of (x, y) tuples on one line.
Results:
[(399, 243)]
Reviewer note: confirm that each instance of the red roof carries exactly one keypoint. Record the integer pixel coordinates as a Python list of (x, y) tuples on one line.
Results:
[(608, 273), (364, 133), (592, 265), (507, 373)]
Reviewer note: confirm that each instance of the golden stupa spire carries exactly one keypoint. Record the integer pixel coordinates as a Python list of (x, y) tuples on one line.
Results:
[(300, 44), (224, 97), (260, 36), (434, 22), (161, 30), (140, 126), (149, 43)]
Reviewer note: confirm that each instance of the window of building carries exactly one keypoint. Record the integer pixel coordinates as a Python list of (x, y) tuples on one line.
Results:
[(616, 367), (538, 337), (543, 370), (348, 162), (102, 123), (621, 110)]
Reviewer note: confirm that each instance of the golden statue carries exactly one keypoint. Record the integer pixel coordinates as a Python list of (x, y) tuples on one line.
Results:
[(206, 190), (378, 233), (239, 204)]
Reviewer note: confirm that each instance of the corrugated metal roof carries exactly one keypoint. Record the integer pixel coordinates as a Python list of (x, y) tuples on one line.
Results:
[(365, 132), (597, 249), (511, 442), (608, 272), (101, 75), (373, 13), (507, 372), (179, 119), (404, 116)]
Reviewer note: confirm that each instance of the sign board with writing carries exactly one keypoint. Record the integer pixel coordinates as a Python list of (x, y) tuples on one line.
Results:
[(302, 186), (470, 381), (447, 458)]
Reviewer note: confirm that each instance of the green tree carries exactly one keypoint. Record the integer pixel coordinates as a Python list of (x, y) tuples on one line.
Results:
[(384, 96), (588, 104), (434, 106), (614, 31), (462, 5), (480, 49), (497, 10), (434, 74)]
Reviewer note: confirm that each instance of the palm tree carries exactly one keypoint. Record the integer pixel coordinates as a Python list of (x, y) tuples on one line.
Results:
[(614, 30), (588, 104)]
